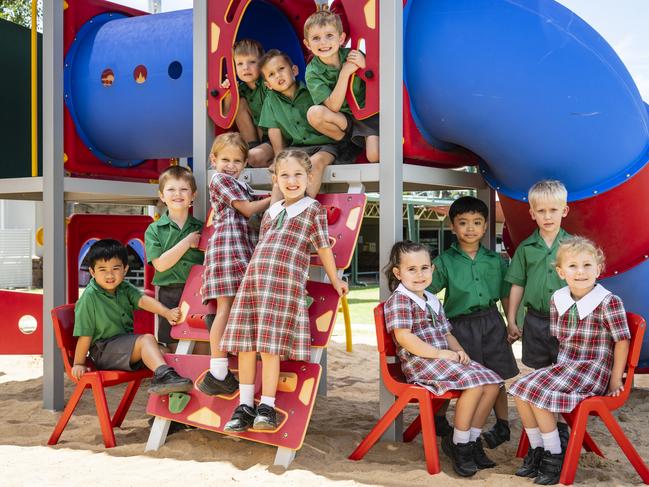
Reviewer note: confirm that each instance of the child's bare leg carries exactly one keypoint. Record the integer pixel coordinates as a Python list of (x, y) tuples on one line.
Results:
[(465, 408), (525, 412), (247, 367), (546, 420), (500, 407), (223, 306), (372, 148), (261, 156), (245, 122), (331, 124), (486, 403), (319, 161), (270, 374), (146, 349)]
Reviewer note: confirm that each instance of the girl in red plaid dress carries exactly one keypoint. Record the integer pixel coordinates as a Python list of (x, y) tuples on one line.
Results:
[(590, 324), (432, 357), (228, 251), (269, 314)]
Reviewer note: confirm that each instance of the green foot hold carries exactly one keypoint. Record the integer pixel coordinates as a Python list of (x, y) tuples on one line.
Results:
[(178, 401)]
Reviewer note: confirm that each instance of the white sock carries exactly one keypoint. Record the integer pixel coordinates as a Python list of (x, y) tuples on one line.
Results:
[(247, 394), (268, 400), (551, 441), (219, 367), (474, 433), (460, 436), (534, 435)]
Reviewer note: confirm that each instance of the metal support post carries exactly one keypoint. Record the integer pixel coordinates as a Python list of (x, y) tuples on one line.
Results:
[(488, 195)]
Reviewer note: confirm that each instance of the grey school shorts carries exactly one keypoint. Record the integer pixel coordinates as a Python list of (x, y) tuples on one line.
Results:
[(540, 349), (359, 129), (115, 353), (170, 297), (483, 335)]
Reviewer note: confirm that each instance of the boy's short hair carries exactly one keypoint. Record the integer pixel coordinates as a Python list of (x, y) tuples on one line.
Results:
[(248, 47), (274, 53), (322, 18), (230, 139), (107, 249), (468, 204), (177, 172), (548, 189)]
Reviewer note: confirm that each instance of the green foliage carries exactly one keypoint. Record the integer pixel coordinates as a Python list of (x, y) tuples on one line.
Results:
[(20, 12)]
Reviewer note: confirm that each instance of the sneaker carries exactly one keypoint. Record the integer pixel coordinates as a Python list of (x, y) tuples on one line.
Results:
[(211, 386), (498, 434), (166, 380), (549, 469), (266, 418), (442, 426), (531, 462), (241, 420), (480, 457), (461, 456), (564, 435)]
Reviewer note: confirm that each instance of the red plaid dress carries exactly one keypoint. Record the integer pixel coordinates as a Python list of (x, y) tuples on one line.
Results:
[(269, 313), (583, 367), (233, 241), (436, 375)]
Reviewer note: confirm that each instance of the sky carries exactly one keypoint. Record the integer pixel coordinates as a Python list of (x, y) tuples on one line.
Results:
[(623, 23)]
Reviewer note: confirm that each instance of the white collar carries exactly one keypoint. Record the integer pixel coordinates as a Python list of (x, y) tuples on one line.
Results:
[(585, 306), (293, 210), (431, 300)]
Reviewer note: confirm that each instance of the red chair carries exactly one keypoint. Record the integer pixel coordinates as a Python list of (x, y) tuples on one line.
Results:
[(97, 380), (395, 383), (601, 406)]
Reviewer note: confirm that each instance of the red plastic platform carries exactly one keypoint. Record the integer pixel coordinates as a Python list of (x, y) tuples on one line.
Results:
[(16, 305)]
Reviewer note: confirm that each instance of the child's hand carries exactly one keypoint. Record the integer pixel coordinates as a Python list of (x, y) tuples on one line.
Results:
[(356, 57), (173, 315), (193, 239), (513, 332), (78, 371), (448, 355), (226, 83), (348, 68), (341, 287), (463, 357), (615, 387)]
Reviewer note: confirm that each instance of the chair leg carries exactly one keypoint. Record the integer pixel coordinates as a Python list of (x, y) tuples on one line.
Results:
[(103, 414), (413, 430), (379, 428), (523, 445), (626, 446), (428, 435), (573, 450), (125, 403), (589, 443), (67, 413)]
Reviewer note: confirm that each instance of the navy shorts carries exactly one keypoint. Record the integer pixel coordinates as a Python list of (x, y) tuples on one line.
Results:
[(114, 353), (170, 297), (540, 349)]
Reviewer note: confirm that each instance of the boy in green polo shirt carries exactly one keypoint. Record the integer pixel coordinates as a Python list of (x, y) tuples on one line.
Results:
[(171, 243), (327, 77), (474, 279), (252, 93), (103, 321), (284, 115)]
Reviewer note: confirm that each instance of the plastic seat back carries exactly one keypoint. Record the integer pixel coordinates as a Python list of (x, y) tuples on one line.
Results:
[(388, 360), (637, 327), (63, 321)]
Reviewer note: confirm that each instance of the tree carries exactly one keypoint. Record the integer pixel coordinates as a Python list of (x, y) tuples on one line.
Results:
[(20, 12)]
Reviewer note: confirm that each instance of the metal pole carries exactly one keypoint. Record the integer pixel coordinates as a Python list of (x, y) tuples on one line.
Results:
[(390, 170), (53, 204), (413, 231), (488, 195)]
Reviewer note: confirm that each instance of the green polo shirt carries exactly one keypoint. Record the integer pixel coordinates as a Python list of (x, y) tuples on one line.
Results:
[(165, 234), (471, 284), (321, 80), (100, 314), (255, 98), (290, 117), (533, 268)]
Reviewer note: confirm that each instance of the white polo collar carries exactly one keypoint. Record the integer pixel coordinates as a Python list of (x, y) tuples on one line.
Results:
[(431, 300), (585, 306), (293, 210)]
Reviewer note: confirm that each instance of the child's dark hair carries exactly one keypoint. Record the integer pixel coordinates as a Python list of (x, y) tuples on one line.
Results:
[(403, 247), (107, 249), (468, 204), (272, 54)]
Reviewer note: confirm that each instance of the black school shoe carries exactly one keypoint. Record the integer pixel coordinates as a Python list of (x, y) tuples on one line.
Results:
[(498, 434), (241, 420), (461, 456), (442, 426), (531, 462), (211, 386), (549, 469), (266, 418), (166, 380), (481, 459)]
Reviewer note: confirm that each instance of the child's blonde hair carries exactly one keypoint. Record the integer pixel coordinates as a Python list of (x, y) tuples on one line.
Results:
[(248, 47), (322, 18), (299, 155), (576, 245), (177, 172), (230, 139), (548, 189)]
